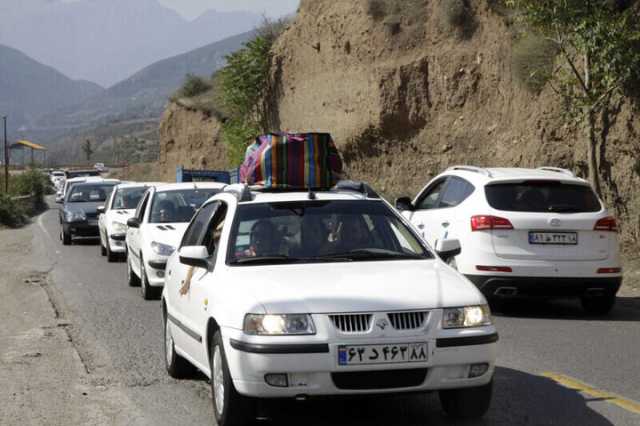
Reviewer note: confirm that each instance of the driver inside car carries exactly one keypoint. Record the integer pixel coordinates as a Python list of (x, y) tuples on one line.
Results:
[(354, 233), (262, 240)]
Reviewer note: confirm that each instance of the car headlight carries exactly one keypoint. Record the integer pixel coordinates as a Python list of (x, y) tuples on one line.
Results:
[(118, 228), (469, 316), (279, 325), (75, 216), (162, 249)]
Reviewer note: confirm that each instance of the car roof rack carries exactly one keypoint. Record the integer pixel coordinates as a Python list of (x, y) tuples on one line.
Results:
[(240, 190), (356, 186), (473, 169), (557, 170)]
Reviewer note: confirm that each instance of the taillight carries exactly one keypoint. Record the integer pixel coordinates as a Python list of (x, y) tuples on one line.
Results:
[(609, 270), (483, 223), (608, 223)]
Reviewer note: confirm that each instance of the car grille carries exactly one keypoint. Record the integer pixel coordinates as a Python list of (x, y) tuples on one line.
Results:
[(407, 320), (389, 379), (352, 323)]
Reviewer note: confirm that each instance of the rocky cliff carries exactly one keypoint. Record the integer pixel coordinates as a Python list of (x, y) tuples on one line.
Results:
[(406, 95)]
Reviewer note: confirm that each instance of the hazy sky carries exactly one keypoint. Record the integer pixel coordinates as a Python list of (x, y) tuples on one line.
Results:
[(193, 8)]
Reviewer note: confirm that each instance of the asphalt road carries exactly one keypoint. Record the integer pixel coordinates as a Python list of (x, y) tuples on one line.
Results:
[(118, 337)]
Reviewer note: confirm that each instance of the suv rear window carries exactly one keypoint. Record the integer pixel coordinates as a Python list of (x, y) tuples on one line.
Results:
[(542, 196)]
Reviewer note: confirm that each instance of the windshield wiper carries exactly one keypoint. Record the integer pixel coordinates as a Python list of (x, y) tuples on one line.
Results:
[(563, 208), (264, 260), (360, 254)]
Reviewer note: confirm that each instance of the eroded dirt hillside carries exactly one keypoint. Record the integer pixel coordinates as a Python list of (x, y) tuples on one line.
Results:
[(406, 96), (191, 139)]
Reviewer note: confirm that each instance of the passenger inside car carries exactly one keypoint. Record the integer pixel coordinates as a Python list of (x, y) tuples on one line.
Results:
[(262, 240)]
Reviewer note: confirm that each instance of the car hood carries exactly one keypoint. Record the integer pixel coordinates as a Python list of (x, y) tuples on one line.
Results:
[(356, 286), (88, 208), (166, 233)]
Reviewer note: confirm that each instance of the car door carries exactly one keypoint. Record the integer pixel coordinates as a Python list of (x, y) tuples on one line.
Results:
[(102, 220), (425, 205), (183, 303), (133, 234)]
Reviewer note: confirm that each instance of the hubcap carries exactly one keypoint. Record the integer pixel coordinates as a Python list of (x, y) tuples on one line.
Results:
[(218, 380), (168, 342)]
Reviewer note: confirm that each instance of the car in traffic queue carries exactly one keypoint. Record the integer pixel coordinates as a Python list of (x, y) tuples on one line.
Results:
[(327, 293), (68, 182), (524, 233), (156, 228), (79, 212), (113, 216)]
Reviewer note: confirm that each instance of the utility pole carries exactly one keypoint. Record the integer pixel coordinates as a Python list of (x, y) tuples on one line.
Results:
[(6, 157)]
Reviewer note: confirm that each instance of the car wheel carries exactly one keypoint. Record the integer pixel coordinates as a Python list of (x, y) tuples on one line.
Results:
[(598, 305), (111, 257), (132, 278), (66, 238), (466, 403), (177, 367), (230, 408), (148, 292)]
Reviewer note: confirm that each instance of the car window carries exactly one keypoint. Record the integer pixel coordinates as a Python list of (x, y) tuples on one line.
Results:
[(127, 198), (178, 205), (429, 199), (89, 193), (142, 206), (212, 236), (194, 234), (542, 196), (310, 231), (455, 192)]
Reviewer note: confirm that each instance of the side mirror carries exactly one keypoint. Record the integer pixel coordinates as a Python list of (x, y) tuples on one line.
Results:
[(448, 249), (100, 209), (133, 222), (404, 204), (194, 256)]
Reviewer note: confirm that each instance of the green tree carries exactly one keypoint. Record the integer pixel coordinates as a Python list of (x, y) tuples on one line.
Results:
[(87, 148), (599, 56)]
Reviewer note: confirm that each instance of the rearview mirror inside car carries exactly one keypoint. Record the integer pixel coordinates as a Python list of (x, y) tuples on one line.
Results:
[(404, 204), (133, 222), (448, 249), (194, 256)]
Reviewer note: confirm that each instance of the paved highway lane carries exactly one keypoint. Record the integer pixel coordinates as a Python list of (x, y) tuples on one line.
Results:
[(118, 336)]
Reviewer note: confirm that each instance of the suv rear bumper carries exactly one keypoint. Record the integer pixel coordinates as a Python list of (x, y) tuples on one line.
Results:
[(544, 287)]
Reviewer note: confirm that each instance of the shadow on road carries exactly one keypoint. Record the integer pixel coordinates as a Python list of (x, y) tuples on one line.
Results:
[(519, 399), (626, 309)]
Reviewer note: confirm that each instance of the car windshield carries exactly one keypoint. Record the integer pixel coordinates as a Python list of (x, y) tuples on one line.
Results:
[(127, 198), (90, 193), (321, 231), (542, 196), (178, 205)]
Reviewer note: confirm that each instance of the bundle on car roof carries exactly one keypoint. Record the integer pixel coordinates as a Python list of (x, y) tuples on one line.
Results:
[(292, 161)]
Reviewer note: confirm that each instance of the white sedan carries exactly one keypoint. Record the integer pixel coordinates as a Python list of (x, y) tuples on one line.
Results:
[(157, 228), (112, 221), (296, 294)]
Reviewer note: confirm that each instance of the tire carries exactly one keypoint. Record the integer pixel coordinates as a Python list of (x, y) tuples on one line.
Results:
[(599, 305), (229, 407), (103, 251), (466, 403), (148, 292), (132, 278), (177, 367), (111, 257), (66, 238)]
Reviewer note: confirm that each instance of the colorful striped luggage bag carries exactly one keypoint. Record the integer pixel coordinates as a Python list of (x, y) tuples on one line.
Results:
[(292, 161)]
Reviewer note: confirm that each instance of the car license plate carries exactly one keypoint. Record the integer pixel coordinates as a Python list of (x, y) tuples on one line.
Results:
[(557, 238), (383, 354)]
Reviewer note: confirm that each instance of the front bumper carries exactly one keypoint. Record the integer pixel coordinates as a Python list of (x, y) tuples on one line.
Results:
[(544, 287), (117, 243), (313, 369), (82, 229), (155, 272)]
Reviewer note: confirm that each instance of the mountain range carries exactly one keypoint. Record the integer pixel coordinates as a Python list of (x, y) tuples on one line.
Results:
[(29, 89), (106, 41)]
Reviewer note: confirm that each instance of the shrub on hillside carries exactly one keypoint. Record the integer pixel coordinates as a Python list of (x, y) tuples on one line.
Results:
[(532, 61), (193, 86), (10, 212)]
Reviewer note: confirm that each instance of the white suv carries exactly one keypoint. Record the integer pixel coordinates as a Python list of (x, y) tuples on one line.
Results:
[(296, 294), (524, 232), (156, 229)]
